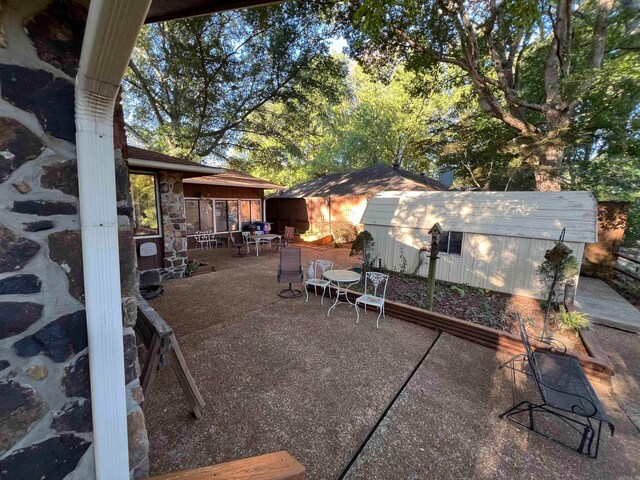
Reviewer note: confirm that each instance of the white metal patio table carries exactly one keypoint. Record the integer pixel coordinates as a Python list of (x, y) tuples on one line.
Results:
[(266, 238), (341, 277)]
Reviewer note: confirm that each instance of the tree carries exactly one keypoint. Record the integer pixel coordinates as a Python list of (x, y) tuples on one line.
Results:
[(366, 121), (530, 64), (193, 84)]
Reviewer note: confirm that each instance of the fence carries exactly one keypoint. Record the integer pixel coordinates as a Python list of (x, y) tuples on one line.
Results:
[(628, 265)]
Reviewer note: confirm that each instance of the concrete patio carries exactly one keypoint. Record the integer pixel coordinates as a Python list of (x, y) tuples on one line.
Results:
[(280, 375)]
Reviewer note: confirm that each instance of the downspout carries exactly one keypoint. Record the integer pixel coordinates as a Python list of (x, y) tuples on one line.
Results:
[(111, 32)]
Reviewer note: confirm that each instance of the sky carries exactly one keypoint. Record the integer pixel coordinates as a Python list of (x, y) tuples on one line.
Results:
[(337, 45)]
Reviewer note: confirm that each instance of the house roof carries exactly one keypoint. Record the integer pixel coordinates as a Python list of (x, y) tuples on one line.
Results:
[(540, 215), (161, 10), (139, 157), (367, 181), (232, 178)]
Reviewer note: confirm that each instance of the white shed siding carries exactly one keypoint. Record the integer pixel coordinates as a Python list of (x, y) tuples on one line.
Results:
[(540, 215), (500, 263)]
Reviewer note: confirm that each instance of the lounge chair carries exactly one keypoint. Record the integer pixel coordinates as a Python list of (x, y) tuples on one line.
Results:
[(565, 394), (290, 271)]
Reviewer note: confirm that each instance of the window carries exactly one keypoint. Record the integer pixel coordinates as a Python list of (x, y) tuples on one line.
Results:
[(221, 216), (256, 210), (250, 211), (193, 216), (144, 194), (451, 242), (206, 218), (232, 215), (245, 212), (228, 215)]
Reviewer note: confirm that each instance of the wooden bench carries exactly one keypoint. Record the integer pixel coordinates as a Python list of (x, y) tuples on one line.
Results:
[(272, 466), (163, 351)]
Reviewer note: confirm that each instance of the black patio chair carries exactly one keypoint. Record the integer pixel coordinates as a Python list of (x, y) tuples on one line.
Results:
[(290, 271), (239, 245), (565, 394)]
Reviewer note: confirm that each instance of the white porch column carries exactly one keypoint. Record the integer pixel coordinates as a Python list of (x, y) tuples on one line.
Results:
[(111, 32)]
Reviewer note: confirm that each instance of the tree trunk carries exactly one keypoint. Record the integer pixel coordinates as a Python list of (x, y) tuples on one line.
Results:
[(551, 148), (547, 172)]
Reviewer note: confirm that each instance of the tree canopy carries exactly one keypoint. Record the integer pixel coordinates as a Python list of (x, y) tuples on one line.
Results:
[(509, 94), (193, 84), (532, 65), (368, 121)]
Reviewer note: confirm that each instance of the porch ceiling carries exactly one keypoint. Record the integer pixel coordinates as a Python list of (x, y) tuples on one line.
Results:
[(162, 10)]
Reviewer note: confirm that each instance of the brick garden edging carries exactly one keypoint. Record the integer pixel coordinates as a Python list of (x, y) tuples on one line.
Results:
[(596, 364)]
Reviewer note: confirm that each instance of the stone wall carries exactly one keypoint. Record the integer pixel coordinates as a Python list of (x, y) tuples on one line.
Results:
[(45, 405), (174, 230), (174, 225)]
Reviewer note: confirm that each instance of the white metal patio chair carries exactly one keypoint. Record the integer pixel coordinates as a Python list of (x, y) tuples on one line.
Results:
[(246, 239), (320, 266), (202, 240), (378, 280), (214, 239)]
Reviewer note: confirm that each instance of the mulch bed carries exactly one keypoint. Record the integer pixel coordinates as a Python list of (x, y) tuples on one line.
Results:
[(485, 307)]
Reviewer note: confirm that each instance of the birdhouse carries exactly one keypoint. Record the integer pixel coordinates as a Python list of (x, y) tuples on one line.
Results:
[(558, 253), (435, 233), (436, 229)]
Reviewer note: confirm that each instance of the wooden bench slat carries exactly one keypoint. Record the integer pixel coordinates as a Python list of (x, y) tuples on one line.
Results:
[(271, 466)]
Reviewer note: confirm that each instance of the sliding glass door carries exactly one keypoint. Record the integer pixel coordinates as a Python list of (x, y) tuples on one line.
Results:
[(221, 216)]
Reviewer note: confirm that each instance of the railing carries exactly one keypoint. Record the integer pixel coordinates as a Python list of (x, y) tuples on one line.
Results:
[(628, 259)]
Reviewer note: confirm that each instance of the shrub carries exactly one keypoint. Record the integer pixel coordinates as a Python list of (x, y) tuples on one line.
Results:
[(575, 321), (459, 289), (343, 231), (562, 272), (363, 247), (192, 266)]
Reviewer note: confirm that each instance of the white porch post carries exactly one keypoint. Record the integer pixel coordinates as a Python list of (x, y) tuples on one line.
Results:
[(111, 31)]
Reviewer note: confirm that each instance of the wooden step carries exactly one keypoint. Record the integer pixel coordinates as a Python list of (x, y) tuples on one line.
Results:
[(202, 269), (272, 466)]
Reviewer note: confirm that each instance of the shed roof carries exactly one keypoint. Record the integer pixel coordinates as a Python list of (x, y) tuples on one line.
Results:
[(367, 181), (540, 215)]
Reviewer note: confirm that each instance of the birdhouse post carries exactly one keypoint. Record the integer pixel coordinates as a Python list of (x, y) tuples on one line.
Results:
[(435, 233)]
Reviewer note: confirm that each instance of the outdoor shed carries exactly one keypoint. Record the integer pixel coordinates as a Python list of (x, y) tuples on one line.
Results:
[(492, 240), (316, 204)]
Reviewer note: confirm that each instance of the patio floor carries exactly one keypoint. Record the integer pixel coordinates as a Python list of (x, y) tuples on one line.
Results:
[(280, 375)]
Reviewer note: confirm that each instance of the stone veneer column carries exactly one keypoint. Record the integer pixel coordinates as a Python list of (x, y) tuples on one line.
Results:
[(174, 225), (45, 409)]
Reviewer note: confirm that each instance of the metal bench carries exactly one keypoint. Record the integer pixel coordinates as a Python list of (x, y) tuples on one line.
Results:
[(565, 392)]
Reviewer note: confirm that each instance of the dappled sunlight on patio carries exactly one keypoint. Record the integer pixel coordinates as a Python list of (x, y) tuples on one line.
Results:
[(280, 375), (276, 374)]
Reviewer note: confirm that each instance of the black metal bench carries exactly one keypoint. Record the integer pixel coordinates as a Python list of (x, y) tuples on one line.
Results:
[(565, 391)]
